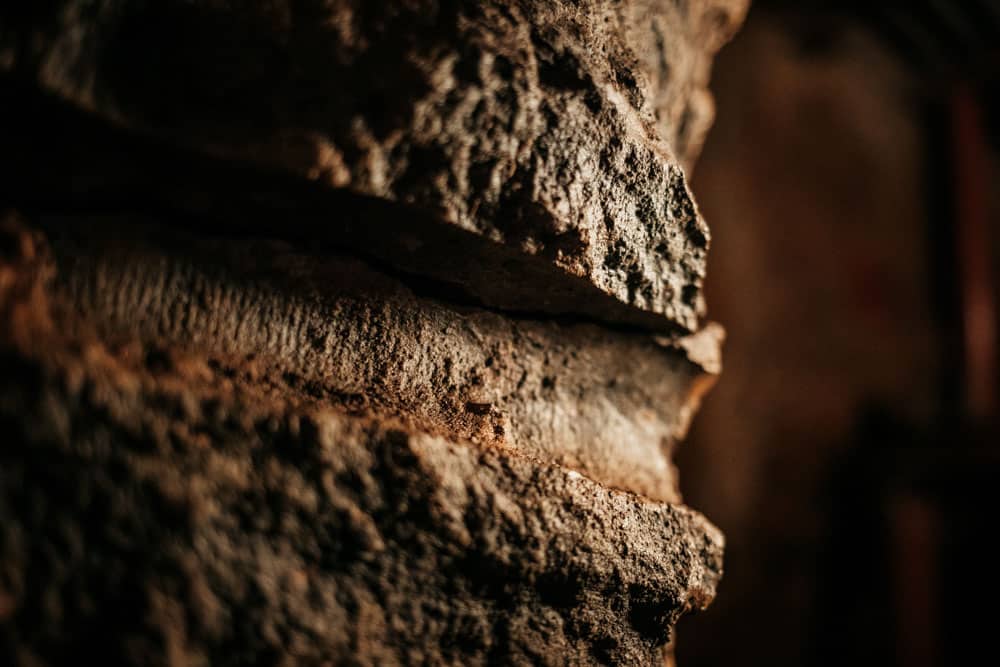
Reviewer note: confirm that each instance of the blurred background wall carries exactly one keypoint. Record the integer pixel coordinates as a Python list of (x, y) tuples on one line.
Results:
[(848, 448)]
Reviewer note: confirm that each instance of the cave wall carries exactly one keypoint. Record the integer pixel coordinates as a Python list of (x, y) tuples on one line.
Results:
[(355, 333)]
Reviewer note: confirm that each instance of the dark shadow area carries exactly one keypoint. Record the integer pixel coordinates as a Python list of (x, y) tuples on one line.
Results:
[(849, 449)]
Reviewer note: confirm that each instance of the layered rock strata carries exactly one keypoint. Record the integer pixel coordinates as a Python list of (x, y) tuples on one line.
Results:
[(351, 332)]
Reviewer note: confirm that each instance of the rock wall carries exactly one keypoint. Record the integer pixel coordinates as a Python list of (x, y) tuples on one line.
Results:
[(352, 332)]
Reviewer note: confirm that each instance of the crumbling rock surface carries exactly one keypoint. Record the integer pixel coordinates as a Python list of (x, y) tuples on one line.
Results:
[(156, 510), (560, 130), (350, 332)]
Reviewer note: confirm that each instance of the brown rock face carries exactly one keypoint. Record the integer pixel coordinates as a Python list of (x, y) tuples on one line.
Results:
[(546, 127), (351, 332), (244, 532), (214, 478), (609, 404)]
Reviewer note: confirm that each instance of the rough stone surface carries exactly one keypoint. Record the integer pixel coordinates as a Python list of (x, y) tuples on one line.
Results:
[(560, 130), (154, 510), (607, 404), (350, 331)]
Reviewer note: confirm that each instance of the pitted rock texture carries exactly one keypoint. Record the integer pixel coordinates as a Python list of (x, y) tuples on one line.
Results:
[(560, 130), (351, 332), (608, 404), (154, 511)]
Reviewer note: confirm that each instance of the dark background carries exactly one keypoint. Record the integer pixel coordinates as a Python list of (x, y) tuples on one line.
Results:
[(849, 449)]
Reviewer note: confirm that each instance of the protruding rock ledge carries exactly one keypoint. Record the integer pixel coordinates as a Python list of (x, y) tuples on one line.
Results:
[(553, 129), (609, 404)]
